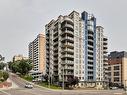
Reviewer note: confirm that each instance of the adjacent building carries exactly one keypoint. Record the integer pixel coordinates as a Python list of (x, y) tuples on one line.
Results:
[(19, 57), (117, 68), (37, 55), (76, 46), (101, 58)]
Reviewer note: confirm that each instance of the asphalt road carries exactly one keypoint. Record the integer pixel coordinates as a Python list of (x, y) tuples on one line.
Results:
[(42, 91)]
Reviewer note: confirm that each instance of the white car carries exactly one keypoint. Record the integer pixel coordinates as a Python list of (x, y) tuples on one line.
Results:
[(114, 88), (28, 85)]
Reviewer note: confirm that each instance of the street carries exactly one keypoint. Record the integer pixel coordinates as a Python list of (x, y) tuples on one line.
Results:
[(37, 91), (43, 91)]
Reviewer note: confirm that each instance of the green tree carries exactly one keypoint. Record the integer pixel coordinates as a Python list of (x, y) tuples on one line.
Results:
[(73, 81), (24, 67), (1, 74), (21, 66), (15, 67), (5, 75), (2, 65)]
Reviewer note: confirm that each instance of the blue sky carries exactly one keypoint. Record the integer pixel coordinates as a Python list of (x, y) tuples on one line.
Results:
[(22, 20)]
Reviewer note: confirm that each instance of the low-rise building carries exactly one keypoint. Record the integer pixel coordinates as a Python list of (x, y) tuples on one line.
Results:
[(117, 68), (19, 57)]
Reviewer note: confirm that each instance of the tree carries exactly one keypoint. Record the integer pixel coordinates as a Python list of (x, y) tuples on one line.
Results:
[(5, 75), (2, 65), (1, 74), (24, 67), (21, 66), (15, 67), (73, 81), (45, 77)]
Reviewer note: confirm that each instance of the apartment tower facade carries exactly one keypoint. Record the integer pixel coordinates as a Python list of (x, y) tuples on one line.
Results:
[(71, 48), (37, 52)]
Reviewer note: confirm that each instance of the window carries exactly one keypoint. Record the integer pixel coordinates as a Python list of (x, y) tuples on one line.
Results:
[(109, 73), (109, 68), (116, 67), (116, 79), (116, 73)]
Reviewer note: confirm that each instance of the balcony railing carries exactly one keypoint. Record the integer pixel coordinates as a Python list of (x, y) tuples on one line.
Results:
[(67, 49), (67, 32), (67, 62), (69, 67), (68, 55), (68, 44), (67, 38)]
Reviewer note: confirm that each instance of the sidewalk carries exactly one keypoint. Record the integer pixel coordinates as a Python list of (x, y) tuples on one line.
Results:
[(13, 85)]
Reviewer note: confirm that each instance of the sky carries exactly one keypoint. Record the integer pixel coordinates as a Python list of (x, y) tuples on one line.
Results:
[(22, 20)]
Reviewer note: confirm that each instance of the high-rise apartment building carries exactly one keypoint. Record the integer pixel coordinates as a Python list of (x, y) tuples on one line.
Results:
[(71, 48), (117, 68), (101, 58), (37, 55)]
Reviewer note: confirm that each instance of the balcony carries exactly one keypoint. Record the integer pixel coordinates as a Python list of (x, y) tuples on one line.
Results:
[(68, 44), (67, 56), (55, 32), (105, 47), (90, 23), (91, 40), (105, 39), (105, 51), (90, 55), (91, 46), (56, 43), (55, 69), (90, 35), (55, 59), (68, 73), (67, 38), (69, 68), (105, 42), (90, 51), (55, 49), (55, 37), (66, 18), (68, 62), (67, 32), (90, 60), (68, 26), (90, 28), (56, 54), (68, 50)]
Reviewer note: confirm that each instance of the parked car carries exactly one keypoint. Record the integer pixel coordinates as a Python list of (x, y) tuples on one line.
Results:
[(28, 85), (113, 88)]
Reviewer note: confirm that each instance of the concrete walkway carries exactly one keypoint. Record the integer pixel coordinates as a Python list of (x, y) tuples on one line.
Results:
[(13, 85)]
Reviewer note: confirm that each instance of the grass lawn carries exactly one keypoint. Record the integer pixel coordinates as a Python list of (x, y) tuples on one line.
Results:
[(45, 84), (27, 77)]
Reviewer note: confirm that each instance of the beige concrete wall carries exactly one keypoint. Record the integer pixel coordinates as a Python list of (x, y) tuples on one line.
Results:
[(42, 51), (124, 70)]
